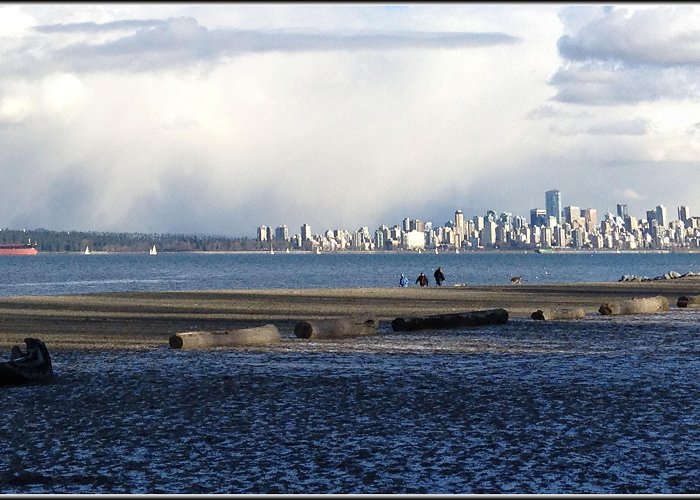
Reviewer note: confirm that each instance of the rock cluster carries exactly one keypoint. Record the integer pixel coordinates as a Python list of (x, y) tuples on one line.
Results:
[(666, 276)]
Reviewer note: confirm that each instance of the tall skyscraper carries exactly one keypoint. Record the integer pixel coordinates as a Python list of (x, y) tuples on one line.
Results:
[(622, 211), (552, 200), (683, 213), (459, 228), (305, 233), (661, 216)]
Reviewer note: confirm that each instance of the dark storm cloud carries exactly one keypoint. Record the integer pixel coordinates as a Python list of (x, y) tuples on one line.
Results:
[(182, 41), (622, 57)]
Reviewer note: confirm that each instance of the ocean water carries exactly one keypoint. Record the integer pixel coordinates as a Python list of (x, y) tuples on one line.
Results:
[(50, 274), (603, 405)]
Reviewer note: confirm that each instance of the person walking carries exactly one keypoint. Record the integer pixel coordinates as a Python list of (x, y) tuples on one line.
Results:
[(403, 281), (439, 276), (422, 279)]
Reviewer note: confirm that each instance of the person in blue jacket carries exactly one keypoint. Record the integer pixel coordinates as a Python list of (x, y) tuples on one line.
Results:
[(403, 281)]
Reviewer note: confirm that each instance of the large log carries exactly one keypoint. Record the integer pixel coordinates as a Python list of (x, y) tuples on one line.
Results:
[(246, 336), (455, 320), (351, 326), (688, 301), (561, 313), (638, 305), (25, 367)]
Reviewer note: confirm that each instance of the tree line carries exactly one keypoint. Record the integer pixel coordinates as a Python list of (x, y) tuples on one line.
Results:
[(76, 241)]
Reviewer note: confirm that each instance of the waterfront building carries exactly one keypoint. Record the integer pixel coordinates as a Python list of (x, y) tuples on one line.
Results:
[(572, 215), (262, 233), (552, 200), (414, 240), (305, 233), (282, 233), (488, 234), (683, 213)]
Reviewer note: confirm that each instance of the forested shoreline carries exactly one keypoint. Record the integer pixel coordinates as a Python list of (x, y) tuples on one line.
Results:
[(98, 241)]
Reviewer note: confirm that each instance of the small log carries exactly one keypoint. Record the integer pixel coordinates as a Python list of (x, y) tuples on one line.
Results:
[(688, 301), (443, 321), (246, 336), (563, 313), (353, 326), (635, 306)]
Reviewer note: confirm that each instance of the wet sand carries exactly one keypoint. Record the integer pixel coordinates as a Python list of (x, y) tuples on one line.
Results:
[(147, 319)]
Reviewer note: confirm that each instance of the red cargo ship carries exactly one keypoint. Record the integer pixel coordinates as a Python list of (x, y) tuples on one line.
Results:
[(18, 249)]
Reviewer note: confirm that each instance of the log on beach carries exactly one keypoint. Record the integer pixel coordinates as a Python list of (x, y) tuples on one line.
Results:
[(266, 334), (688, 301), (562, 313), (641, 305), (352, 326), (443, 321)]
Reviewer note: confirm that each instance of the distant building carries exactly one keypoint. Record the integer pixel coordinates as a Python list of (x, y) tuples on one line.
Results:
[(552, 200), (622, 211), (572, 214), (282, 233), (538, 217), (661, 216), (262, 233), (459, 228), (683, 213), (305, 233)]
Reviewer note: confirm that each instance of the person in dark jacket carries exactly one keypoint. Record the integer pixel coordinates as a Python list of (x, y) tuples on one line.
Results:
[(422, 279), (439, 276)]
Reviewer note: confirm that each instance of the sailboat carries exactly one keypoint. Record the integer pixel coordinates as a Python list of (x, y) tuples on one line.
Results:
[(456, 250), (436, 251), (153, 250), (87, 250), (272, 252)]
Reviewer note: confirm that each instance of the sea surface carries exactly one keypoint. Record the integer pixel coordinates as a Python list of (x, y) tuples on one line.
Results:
[(60, 273), (602, 405)]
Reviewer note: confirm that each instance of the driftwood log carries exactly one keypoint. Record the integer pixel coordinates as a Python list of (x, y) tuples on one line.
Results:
[(562, 313), (443, 321), (246, 336), (688, 301), (352, 326), (34, 365), (641, 305)]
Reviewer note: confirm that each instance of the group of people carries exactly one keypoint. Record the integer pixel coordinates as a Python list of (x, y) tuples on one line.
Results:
[(422, 279)]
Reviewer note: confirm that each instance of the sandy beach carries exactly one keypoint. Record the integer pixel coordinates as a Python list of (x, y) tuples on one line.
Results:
[(147, 319)]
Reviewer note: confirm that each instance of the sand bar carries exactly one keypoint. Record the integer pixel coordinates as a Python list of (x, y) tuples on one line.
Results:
[(147, 319)]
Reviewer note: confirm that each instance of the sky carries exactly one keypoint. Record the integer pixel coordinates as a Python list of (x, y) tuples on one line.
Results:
[(217, 118)]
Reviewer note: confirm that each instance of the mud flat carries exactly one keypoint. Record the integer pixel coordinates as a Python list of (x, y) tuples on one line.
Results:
[(147, 319)]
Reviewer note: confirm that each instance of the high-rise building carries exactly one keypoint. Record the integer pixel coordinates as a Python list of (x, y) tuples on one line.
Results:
[(459, 228), (590, 216), (305, 233), (572, 214), (262, 233), (282, 233), (622, 211), (538, 217), (683, 213), (552, 200), (661, 216)]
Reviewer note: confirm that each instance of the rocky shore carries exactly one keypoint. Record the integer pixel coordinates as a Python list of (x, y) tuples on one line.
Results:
[(147, 319)]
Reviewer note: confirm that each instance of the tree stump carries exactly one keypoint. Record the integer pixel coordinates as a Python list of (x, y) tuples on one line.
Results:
[(246, 336), (688, 301), (563, 313), (443, 321), (352, 326), (642, 305)]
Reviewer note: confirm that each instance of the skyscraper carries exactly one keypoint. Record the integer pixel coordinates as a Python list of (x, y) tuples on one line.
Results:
[(661, 216), (622, 211), (683, 213), (553, 204), (459, 228)]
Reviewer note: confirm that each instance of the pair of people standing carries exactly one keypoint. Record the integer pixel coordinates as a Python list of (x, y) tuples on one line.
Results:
[(422, 279)]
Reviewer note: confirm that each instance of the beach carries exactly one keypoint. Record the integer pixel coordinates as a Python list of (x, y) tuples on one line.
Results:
[(127, 320), (604, 404)]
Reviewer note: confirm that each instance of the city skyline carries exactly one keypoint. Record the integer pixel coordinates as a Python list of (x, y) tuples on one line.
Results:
[(208, 118), (558, 225)]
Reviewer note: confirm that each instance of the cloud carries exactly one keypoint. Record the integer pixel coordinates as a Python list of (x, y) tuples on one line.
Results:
[(621, 56), (152, 45), (628, 194)]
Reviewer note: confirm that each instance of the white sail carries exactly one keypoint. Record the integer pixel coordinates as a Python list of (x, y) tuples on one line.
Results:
[(87, 250), (153, 251)]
